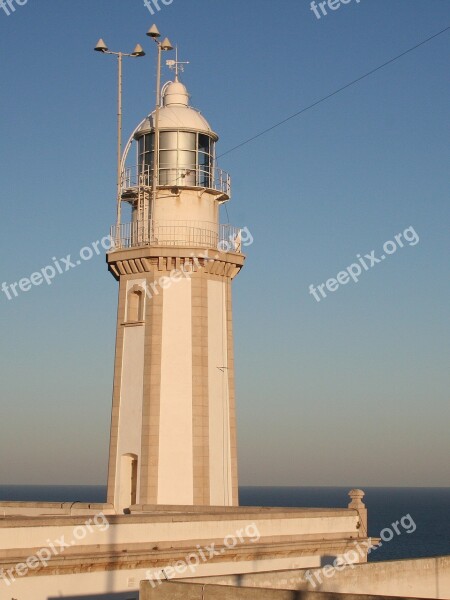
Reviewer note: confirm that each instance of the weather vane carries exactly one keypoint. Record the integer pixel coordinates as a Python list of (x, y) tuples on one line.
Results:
[(176, 65)]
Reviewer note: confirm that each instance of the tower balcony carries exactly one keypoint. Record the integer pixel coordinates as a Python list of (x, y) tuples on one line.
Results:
[(191, 234), (203, 177)]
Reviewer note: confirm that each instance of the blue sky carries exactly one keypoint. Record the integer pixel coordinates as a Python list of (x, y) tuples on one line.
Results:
[(349, 391)]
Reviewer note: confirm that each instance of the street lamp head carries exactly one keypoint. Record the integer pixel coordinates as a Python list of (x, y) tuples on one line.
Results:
[(166, 45), (153, 32), (101, 46), (138, 51)]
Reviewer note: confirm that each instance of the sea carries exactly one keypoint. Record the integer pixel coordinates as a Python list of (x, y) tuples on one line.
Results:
[(412, 522)]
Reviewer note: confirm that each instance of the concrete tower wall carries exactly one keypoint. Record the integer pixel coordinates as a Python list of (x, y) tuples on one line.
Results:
[(173, 402), (190, 205), (173, 429)]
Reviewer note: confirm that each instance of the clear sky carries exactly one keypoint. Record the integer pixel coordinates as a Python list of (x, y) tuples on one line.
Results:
[(352, 390)]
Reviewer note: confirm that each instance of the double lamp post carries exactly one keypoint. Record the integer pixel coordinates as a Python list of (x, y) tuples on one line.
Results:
[(163, 46)]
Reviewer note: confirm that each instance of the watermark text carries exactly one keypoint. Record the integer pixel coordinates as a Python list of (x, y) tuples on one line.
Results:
[(365, 263)]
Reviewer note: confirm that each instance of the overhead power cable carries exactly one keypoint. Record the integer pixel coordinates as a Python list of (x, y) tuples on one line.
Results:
[(338, 91)]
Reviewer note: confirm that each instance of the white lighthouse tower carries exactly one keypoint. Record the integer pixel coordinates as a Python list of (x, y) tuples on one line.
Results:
[(173, 429)]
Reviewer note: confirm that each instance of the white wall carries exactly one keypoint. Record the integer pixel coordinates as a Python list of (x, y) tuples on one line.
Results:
[(176, 460), (428, 578), (418, 578), (166, 530)]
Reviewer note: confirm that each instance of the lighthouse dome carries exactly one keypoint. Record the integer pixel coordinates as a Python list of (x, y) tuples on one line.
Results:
[(176, 114)]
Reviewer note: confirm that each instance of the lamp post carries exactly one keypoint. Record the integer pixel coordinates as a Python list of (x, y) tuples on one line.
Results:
[(137, 52), (163, 46)]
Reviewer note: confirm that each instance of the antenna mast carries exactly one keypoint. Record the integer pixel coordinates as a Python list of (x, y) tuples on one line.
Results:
[(176, 65)]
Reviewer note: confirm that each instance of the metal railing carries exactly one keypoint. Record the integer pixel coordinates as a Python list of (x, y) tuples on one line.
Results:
[(197, 177), (224, 238)]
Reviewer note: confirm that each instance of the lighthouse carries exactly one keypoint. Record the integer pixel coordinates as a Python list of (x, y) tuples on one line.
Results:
[(173, 425), (172, 466)]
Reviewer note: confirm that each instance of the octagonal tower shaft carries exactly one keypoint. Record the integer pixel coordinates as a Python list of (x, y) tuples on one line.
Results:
[(173, 428)]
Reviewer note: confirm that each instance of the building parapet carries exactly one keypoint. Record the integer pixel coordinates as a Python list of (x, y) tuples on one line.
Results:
[(193, 591)]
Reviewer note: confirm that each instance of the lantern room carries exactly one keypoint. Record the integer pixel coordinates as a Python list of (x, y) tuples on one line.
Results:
[(180, 205), (186, 144)]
